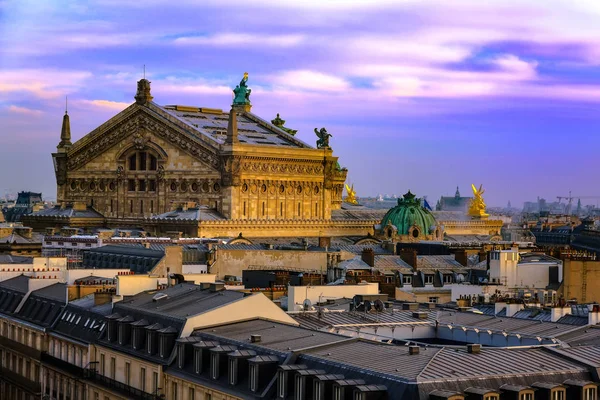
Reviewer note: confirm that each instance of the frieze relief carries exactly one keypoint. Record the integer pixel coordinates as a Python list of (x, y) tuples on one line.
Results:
[(272, 187), (252, 166), (140, 126)]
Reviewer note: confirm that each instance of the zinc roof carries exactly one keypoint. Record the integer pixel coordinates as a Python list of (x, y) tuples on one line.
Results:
[(182, 300), (275, 336), (251, 128), (337, 319)]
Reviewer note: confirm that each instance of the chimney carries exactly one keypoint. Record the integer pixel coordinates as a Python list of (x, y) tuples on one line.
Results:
[(216, 287), (409, 256), (255, 338), (420, 314), (412, 350), (102, 297), (474, 348), (482, 255), (232, 129), (368, 256), (593, 314), (324, 241), (461, 257), (25, 232)]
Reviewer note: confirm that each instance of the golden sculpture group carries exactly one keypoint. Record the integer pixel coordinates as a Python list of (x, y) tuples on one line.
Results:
[(477, 205), (351, 197)]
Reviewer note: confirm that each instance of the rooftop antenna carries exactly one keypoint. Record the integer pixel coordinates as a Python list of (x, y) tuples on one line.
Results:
[(66, 104), (144, 71)]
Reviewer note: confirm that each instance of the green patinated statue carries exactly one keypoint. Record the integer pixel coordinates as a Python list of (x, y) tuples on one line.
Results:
[(278, 122), (323, 135), (242, 92)]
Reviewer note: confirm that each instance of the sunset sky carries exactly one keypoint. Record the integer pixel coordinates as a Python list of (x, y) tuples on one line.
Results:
[(418, 94)]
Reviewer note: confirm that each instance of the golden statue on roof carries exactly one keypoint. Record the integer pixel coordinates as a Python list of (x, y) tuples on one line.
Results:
[(477, 205), (351, 197)]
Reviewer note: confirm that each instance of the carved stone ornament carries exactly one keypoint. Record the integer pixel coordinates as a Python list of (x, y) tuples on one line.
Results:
[(230, 171), (120, 172), (140, 141), (160, 173), (145, 125)]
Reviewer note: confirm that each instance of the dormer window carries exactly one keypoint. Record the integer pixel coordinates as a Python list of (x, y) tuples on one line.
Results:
[(161, 346), (181, 356), (589, 393), (253, 377), (299, 385), (149, 342), (197, 361), (214, 366), (233, 371)]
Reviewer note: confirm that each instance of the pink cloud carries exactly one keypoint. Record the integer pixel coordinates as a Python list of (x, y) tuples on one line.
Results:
[(309, 80), (104, 104), (24, 111), (44, 84), (242, 39)]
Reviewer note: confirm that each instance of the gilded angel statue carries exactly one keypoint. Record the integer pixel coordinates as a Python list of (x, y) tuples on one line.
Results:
[(477, 205), (351, 198)]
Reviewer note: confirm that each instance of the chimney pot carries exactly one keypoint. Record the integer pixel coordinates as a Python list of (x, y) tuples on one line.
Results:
[(412, 350)]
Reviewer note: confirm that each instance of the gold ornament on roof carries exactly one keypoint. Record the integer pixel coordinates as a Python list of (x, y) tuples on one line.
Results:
[(477, 205), (351, 197)]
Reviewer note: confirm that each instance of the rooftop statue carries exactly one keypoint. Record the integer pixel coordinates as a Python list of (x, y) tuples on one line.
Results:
[(323, 135), (278, 122), (477, 205), (351, 198), (242, 92)]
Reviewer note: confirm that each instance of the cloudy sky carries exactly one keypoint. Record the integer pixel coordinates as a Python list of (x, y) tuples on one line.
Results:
[(419, 94)]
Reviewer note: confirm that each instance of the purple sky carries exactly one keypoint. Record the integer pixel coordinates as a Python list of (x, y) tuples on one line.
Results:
[(419, 94)]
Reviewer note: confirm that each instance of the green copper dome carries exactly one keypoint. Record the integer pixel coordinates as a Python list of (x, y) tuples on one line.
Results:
[(409, 213)]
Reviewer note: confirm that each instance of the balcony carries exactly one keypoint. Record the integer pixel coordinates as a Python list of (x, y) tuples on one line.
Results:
[(62, 365), (19, 347), (20, 381), (120, 387)]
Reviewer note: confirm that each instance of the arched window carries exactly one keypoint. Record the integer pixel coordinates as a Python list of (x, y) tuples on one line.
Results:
[(142, 161)]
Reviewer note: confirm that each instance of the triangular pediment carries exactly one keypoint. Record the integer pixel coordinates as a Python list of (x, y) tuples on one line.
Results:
[(137, 125)]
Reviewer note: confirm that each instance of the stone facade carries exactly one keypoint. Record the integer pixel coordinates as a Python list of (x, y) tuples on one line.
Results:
[(149, 159)]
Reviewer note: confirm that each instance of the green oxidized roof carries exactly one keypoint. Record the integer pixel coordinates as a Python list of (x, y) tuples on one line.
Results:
[(407, 213)]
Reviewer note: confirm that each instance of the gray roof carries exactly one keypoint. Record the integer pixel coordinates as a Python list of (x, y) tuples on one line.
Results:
[(68, 212), (10, 259), (589, 354), (434, 364), (336, 319), (274, 336), (128, 250), (201, 213), (57, 291), (183, 300), (589, 335), (18, 283), (497, 323), (443, 262), (251, 128), (354, 263), (369, 214)]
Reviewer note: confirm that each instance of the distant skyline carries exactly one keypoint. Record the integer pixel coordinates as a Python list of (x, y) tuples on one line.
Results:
[(419, 94)]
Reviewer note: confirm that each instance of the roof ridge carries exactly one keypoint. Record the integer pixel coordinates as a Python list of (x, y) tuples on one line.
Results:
[(429, 362)]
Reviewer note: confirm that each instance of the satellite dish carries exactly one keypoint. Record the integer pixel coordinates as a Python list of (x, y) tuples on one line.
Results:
[(368, 306), (307, 305), (355, 303), (379, 306)]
